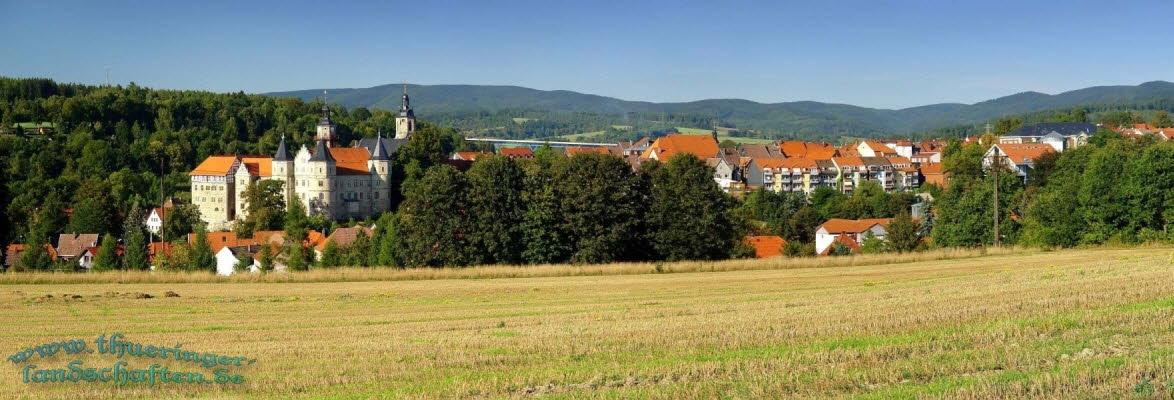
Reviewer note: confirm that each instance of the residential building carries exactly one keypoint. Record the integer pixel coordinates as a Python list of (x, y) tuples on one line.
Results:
[(849, 172), (1060, 136), (933, 173), (517, 153), (1018, 157), (72, 245), (13, 251), (759, 150), (467, 155), (853, 230), (873, 148), (700, 146)]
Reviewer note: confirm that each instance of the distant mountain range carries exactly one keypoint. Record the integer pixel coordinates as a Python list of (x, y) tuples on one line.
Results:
[(798, 116)]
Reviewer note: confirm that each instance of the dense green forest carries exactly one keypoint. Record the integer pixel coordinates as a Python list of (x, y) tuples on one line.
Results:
[(111, 144)]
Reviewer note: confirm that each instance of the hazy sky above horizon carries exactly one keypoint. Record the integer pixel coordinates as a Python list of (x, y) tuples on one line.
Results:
[(887, 54)]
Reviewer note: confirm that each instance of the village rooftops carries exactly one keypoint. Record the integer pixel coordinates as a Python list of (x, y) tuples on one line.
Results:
[(701, 146), (838, 225)]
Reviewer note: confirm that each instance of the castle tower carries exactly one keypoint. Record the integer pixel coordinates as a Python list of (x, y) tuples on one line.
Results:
[(326, 130), (283, 169), (320, 172), (405, 123), (380, 166)]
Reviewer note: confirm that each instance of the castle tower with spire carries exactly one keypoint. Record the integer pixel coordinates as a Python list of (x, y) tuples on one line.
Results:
[(380, 166), (326, 129), (405, 122)]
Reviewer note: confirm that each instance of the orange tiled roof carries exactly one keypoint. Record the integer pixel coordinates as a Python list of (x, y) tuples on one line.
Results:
[(879, 147), (258, 165), (215, 165), (1024, 152), (766, 246), (838, 225), (220, 240), (581, 150), (350, 160), (931, 168), (702, 146), (848, 161), (469, 155)]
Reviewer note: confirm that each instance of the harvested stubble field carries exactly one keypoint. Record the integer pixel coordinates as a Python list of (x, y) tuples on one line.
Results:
[(1093, 323)]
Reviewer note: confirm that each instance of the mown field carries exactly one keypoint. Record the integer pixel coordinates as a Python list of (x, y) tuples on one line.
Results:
[(1067, 324)]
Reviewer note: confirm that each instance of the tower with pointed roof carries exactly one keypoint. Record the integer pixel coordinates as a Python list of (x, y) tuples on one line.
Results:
[(283, 169), (405, 122), (326, 129), (380, 166), (320, 171)]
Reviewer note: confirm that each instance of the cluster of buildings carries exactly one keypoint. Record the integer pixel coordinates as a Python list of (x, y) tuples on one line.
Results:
[(335, 181)]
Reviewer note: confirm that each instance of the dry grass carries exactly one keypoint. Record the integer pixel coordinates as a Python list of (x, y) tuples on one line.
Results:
[(1005, 326), (497, 271)]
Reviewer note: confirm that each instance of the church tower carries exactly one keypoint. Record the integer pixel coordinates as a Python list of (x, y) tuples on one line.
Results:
[(326, 129), (405, 123)]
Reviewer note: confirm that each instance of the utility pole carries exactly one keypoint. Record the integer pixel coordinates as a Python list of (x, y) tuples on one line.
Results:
[(995, 166)]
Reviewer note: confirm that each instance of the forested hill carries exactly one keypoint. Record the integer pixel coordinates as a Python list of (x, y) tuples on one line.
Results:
[(802, 117)]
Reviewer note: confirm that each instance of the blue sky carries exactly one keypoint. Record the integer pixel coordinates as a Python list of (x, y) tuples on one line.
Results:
[(887, 54)]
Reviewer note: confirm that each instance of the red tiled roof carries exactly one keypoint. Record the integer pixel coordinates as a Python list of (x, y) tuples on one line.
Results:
[(846, 240), (343, 237), (839, 225), (766, 246), (217, 240)]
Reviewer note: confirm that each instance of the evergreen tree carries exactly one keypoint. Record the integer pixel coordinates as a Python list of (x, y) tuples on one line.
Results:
[(331, 255), (107, 257), (201, 257), (135, 257), (357, 252), (389, 241), (296, 222), (266, 261), (244, 261), (34, 257)]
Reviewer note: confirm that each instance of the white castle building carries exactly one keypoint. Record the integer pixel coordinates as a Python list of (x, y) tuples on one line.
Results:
[(339, 182)]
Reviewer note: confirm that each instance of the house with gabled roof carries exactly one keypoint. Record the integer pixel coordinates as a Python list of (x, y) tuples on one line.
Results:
[(873, 148), (855, 230), (72, 245), (1017, 157), (700, 146)]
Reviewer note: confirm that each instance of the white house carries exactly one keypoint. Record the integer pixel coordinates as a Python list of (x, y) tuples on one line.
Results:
[(228, 257), (851, 232), (155, 220), (1018, 157)]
